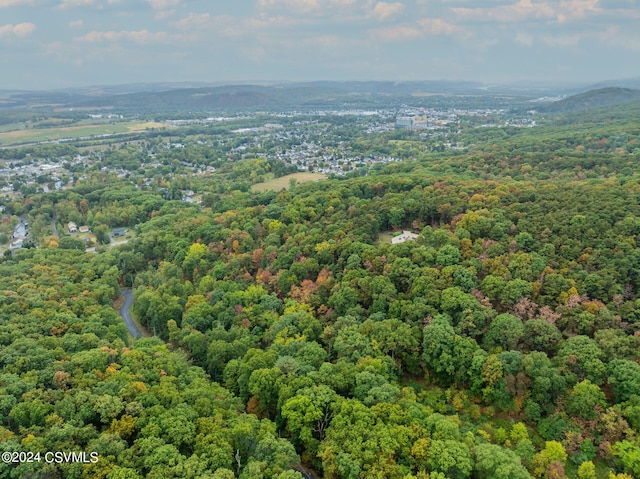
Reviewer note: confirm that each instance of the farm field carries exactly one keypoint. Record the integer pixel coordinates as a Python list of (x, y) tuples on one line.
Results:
[(17, 137)]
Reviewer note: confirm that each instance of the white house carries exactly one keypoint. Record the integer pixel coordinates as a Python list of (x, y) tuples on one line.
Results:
[(72, 227), (405, 236)]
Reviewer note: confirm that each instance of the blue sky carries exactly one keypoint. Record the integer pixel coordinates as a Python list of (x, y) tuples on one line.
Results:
[(61, 43)]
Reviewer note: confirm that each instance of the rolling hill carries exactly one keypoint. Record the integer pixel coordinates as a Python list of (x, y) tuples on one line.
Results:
[(593, 98)]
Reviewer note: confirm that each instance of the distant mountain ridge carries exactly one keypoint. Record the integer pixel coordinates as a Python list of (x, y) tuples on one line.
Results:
[(607, 96), (631, 83), (196, 97)]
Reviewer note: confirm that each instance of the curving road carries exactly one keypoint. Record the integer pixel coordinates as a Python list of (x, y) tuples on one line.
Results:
[(126, 315), (301, 469)]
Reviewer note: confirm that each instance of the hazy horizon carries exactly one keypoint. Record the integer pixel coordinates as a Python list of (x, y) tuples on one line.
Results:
[(525, 84)]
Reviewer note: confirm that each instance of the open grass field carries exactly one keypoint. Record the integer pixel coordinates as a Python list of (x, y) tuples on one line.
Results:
[(385, 237), (404, 143), (48, 134), (283, 182), (10, 127)]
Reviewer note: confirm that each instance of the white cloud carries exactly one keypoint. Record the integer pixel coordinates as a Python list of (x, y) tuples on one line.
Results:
[(383, 10), (24, 29), (76, 23), (299, 5), (230, 26), (74, 3), (397, 33), (144, 37), (422, 27), (561, 11), (15, 3), (164, 14), (197, 21), (19, 30), (163, 4), (436, 26), (316, 7), (164, 8)]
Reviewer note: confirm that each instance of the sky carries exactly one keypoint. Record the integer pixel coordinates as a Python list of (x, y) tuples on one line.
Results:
[(63, 43)]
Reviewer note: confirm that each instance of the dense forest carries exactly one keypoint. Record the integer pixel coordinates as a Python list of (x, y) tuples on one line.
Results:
[(288, 336)]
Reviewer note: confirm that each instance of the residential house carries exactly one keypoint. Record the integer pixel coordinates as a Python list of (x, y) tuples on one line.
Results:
[(405, 236), (72, 227)]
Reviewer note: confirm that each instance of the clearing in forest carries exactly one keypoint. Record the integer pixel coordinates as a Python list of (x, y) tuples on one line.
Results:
[(284, 182)]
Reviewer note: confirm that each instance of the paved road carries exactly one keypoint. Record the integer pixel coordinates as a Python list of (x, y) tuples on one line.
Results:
[(126, 316), (116, 243), (303, 471)]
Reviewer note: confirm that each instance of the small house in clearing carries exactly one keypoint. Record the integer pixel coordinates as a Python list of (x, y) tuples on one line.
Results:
[(84, 229), (118, 232), (72, 227), (405, 236)]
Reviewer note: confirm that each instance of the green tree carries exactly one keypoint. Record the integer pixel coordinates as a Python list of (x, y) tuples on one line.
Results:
[(309, 414), (624, 376), (514, 290), (438, 343), (448, 255), (539, 335), (580, 358), (495, 462), (587, 470), (553, 452), (102, 234), (450, 457), (585, 401), (263, 385), (628, 454), (505, 332)]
